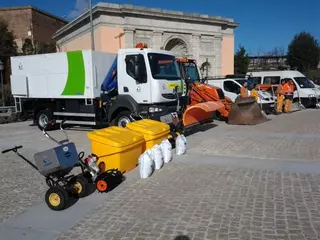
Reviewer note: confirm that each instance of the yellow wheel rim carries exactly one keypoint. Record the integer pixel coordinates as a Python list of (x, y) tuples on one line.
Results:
[(78, 187), (54, 199)]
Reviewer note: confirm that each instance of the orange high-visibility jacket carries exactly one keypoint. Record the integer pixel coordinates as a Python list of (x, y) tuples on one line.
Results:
[(244, 92), (291, 84), (287, 88), (280, 90), (255, 94)]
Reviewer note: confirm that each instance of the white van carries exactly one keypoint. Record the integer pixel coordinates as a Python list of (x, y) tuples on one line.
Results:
[(304, 88), (231, 89)]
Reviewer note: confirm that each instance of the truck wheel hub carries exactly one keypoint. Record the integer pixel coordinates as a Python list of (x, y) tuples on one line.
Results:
[(43, 120), (123, 121)]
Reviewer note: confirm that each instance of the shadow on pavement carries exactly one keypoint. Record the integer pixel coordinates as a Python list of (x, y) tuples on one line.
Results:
[(201, 128), (182, 237)]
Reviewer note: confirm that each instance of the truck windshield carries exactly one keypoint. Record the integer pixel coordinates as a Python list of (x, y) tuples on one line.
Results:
[(163, 66), (304, 82), (192, 73)]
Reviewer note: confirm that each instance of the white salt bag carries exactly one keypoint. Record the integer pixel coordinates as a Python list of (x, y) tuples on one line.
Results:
[(146, 164), (157, 156), (181, 145), (166, 148)]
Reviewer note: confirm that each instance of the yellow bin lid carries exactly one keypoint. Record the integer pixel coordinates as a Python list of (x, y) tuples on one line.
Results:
[(149, 127), (116, 137)]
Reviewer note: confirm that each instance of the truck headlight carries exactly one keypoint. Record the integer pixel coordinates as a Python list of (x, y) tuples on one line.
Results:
[(155, 109), (312, 95)]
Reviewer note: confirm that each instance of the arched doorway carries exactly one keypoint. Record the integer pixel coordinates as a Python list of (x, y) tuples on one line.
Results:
[(205, 68), (177, 46)]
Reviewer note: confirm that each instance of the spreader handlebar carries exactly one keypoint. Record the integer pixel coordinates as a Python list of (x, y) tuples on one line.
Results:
[(11, 149)]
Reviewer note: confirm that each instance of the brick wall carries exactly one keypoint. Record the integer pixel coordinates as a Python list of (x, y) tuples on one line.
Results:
[(44, 27), (19, 21), (26, 19)]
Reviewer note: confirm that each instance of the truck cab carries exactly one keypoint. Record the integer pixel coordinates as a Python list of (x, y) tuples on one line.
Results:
[(149, 85)]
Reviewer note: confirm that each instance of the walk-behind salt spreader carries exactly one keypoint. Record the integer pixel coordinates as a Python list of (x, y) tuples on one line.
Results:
[(56, 164)]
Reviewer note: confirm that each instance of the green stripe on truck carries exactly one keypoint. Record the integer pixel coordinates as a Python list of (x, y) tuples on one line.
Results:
[(76, 74)]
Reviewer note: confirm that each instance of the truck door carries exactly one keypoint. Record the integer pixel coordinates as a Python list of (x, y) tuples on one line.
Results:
[(134, 80), (231, 89)]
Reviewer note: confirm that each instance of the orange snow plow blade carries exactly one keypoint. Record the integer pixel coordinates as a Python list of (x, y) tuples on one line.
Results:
[(200, 113)]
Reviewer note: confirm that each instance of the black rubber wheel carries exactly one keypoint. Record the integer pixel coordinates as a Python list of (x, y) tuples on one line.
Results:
[(42, 118), (81, 185), (56, 198), (122, 119), (87, 175)]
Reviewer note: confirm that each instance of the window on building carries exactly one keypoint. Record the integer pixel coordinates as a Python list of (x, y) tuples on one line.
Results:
[(271, 80), (231, 86)]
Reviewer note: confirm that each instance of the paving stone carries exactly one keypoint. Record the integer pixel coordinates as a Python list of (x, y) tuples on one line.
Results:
[(200, 199)]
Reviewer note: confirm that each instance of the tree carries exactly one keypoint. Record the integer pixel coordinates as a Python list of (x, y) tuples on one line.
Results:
[(303, 52), (241, 61), (8, 46), (41, 48), (27, 47)]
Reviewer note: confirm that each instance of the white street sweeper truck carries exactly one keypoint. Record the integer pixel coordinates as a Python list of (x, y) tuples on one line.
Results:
[(96, 88)]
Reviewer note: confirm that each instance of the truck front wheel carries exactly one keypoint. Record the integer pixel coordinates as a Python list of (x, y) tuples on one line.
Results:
[(42, 119), (122, 119)]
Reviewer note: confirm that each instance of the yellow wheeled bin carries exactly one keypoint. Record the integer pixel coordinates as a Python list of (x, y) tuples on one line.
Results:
[(153, 131), (117, 148)]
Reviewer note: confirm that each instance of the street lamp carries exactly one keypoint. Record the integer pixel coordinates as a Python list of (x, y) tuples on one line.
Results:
[(1, 79), (91, 26)]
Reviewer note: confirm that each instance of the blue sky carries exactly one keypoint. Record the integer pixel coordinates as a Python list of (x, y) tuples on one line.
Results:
[(264, 25)]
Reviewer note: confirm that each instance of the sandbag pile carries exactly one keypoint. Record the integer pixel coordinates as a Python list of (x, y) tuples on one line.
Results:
[(154, 158)]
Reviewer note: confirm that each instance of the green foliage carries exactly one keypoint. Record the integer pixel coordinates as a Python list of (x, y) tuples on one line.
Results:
[(241, 61), (303, 52), (45, 48), (27, 47), (8, 46)]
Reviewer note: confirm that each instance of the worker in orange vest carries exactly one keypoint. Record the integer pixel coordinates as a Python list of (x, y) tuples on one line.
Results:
[(287, 96), (280, 96), (254, 92), (292, 88), (244, 90)]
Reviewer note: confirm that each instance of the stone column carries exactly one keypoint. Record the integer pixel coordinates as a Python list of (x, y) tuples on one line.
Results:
[(217, 53), (157, 40), (128, 38), (196, 47)]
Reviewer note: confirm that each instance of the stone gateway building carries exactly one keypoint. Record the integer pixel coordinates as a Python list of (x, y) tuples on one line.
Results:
[(201, 37)]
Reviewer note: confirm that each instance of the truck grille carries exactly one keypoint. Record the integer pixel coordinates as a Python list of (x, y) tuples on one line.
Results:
[(170, 95), (220, 93)]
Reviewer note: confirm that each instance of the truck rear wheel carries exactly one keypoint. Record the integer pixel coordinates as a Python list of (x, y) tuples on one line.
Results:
[(42, 118), (122, 119)]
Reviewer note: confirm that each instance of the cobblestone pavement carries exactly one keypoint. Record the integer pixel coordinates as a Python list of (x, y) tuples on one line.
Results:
[(208, 202), (199, 199)]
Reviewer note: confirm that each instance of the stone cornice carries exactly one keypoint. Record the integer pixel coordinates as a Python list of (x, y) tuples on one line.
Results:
[(130, 10)]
